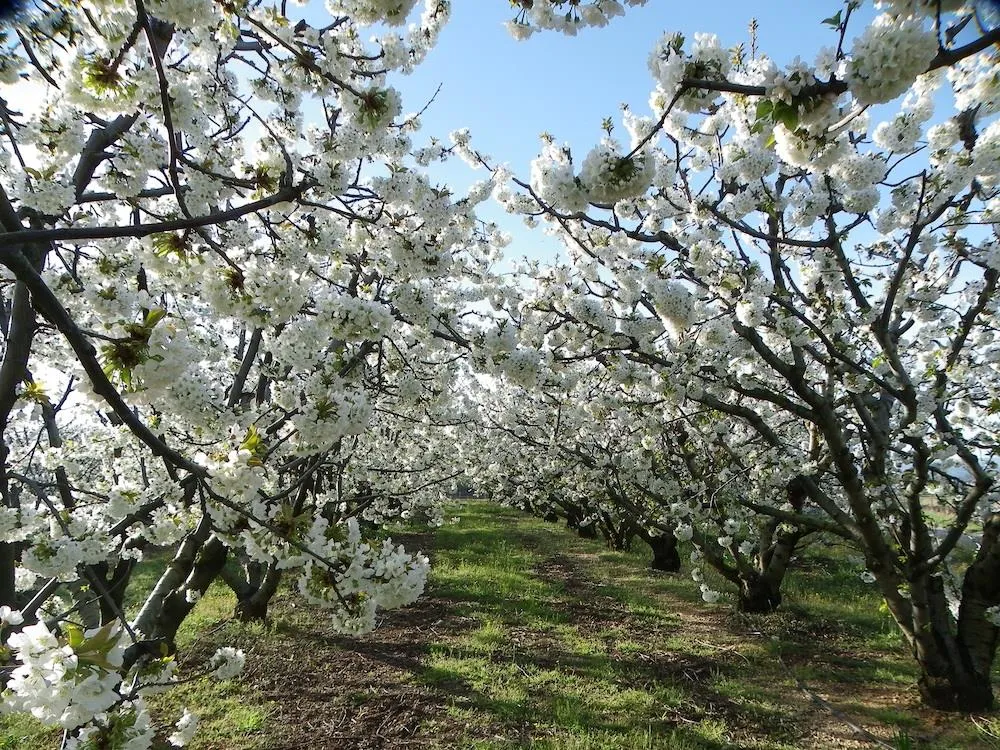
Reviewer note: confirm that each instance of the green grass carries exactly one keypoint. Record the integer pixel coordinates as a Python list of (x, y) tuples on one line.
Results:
[(231, 715), (540, 657), (540, 639), (832, 634), (20, 732)]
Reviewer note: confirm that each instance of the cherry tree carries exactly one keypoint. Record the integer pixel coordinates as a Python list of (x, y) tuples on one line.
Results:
[(559, 460), (811, 251), (650, 467), (229, 310)]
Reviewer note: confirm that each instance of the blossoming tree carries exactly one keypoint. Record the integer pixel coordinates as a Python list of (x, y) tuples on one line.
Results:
[(228, 307), (812, 252), (593, 440), (557, 451)]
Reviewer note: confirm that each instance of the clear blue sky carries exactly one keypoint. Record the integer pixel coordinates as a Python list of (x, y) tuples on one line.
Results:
[(507, 92)]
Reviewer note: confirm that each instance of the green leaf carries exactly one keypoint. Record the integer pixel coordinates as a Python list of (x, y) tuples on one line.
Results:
[(153, 317), (103, 640), (786, 114), (74, 635), (833, 21)]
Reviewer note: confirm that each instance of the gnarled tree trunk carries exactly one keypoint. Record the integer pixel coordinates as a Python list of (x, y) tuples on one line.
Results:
[(666, 556), (574, 519), (197, 563), (758, 593), (618, 536), (760, 588), (254, 589), (956, 658)]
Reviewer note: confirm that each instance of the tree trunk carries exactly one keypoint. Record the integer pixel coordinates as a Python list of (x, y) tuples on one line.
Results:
[(574, 521), (617, 536), (116, 584), (18, 334), (666, 556), (759, 593), (760, 589), (171, 578), (177, 605), (198, 562), (255, 594), (956, 662), (953, 676)]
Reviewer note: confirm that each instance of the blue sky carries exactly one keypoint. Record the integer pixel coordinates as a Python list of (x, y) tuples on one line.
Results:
[(507, 92)]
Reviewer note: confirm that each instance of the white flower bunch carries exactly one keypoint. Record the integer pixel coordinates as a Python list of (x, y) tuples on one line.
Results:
[(363, 580), (392, 12), (976, 84), (549, 15), (181, 13), (800, 148), (128, 726), (185, 729), (10, 616), (986, 155), (522, 367), (59, 556), (673, 302), (670, 66), (683, 532), (591, 312), (227, 662), (609, 177), (859, 171), (373, 109), (553, 178), (709, 595), (64, 680), (887, 58)]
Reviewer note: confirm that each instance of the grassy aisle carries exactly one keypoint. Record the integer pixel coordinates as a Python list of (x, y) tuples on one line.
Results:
[(531, 637)]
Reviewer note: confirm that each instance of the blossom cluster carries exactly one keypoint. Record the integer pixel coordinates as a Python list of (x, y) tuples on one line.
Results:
[(887, 58), (363, 578)]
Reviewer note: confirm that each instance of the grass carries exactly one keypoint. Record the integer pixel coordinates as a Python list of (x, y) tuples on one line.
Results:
[(529, 636), (231, 714), (833, 634)]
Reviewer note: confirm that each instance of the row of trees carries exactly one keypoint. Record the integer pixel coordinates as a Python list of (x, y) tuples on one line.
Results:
[(237, 320), (792, 274), (227, 306)]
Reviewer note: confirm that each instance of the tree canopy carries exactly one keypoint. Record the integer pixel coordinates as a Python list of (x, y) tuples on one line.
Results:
[(242, 323)]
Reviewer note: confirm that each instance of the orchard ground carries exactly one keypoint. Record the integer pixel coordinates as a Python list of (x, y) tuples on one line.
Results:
[(529, 636)]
